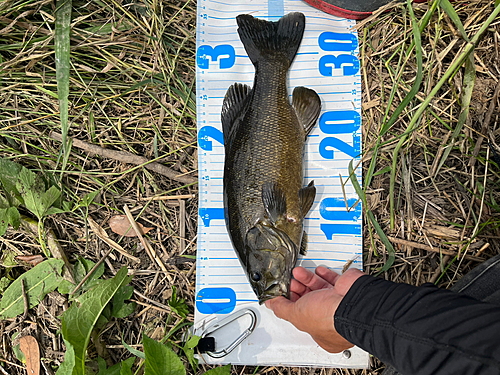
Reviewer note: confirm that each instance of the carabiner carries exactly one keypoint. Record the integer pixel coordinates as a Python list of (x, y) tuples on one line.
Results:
[(239, 314)]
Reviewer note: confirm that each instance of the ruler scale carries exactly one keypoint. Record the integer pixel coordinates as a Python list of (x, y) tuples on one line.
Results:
[(327, 63)]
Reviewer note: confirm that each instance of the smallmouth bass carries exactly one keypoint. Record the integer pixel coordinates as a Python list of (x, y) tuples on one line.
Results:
[(264, 136)]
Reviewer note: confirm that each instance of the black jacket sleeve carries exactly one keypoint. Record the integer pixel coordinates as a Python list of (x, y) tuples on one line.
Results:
[(421, 330)]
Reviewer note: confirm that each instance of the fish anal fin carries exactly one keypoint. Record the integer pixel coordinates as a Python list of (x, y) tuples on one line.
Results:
[(306, 196), (307, 105), (232, 108), (303, 244), (274, 201)]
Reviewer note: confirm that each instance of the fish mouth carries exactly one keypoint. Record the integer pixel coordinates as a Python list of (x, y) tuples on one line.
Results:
[(276, 289)]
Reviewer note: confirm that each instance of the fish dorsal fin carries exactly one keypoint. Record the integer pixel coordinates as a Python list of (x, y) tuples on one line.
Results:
[(307, 105), (274, 201), (303, 244), (232, 108), (275, 42), (306, 197)]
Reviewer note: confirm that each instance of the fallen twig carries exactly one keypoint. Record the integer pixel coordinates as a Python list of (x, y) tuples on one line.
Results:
[(99, 232), (147, 246), (92, 271), (421, 246), (127, 157)]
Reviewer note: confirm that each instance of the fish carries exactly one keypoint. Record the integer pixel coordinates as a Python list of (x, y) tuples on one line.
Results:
[(264, 134)]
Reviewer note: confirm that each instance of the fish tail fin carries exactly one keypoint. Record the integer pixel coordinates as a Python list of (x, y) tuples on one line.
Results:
[(271, 41)]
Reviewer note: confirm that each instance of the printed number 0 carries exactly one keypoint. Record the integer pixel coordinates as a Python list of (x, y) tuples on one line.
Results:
[(329, 41), (216, 300)]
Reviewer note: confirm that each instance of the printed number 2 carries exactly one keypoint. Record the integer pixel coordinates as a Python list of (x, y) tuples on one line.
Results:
[(204, 135), (224, 53)]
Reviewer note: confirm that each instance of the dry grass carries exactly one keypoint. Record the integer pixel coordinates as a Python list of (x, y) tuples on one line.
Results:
[(132, 90)]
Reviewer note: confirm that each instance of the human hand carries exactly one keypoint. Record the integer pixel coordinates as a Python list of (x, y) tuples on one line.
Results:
[(314, 300)]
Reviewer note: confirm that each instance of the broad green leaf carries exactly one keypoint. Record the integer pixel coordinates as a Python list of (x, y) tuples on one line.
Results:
[(88, 199), (49, 197), (8, 178), (14, 217), (4, 221), (65, 287), (104, 370), (178, 304), (9, 258), (193, 341), (82, 268), (54, 210), (4, 283), (66, 368), (223, 370), (121, 368), (17, 350), (120, 308), (79, 320), (189, 351), (9, 216), (38, 281), (161, 360), (67, 206), (127, 366), (31, 188)]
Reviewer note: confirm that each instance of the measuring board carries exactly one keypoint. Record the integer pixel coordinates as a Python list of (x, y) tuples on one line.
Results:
[(326, 62)]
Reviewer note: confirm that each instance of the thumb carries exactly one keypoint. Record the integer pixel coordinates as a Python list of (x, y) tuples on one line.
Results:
[(282, 307)]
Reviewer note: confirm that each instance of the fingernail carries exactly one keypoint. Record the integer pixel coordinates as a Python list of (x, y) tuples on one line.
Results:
[(268, 304)]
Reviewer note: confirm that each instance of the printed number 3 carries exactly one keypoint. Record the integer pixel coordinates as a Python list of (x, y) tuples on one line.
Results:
[(224, 53)]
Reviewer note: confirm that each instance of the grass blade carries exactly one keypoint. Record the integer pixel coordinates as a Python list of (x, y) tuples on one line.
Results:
[(418, 79), (468, 48), (468, 83), (62, 54), (385, 241), (468, 86), (450, 11)]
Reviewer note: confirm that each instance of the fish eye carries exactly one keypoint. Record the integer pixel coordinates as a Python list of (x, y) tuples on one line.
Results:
[(256, 276)]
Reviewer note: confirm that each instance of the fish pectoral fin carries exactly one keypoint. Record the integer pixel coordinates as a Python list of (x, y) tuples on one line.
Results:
[(306, 197), (232, 108), (274, 201), (307, 105), (303, 244)]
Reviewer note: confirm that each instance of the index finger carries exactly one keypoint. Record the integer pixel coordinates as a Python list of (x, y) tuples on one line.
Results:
[(310, 279), (282, 307)]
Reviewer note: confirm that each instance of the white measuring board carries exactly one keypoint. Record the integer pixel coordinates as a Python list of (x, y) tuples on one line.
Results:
[(326, 62)]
